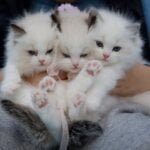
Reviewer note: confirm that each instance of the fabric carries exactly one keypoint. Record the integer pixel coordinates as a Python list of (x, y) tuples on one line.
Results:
[(127, 128)]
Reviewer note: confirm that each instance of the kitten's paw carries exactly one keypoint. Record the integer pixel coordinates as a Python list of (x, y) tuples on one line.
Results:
[(40, 99), (47, 84), (53, 71), (8, 87), (76, 107), (79, 99), (93, 67)]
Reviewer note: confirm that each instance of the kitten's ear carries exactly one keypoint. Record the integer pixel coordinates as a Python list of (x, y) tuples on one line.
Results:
[(134, 28), (93, 16), (17, 30), (56, 19)]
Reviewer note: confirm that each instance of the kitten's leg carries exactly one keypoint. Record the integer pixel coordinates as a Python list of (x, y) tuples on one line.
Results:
[(40, 99), (11, 81), (106, 81), (82, 82), (46, 107), (75, 107), (86, 76), (47, 84)]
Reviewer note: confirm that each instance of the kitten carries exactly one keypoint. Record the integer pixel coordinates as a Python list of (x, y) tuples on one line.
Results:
[(50, 100), (113, 41), (118, 47), (30, 48)]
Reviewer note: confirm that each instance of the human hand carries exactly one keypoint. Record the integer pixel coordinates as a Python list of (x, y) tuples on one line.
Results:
[(1, 75), (137, 80)]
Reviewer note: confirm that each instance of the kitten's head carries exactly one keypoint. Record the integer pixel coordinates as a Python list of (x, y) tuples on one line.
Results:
[(117, 38), (31, 41), (75, 47)]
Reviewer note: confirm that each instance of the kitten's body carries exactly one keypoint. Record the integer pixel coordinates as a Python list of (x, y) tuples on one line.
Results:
[(30, 48), (118, 39), (110, 32)]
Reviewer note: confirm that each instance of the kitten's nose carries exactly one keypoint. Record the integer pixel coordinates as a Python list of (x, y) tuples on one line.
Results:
[(75, 65), (106, 56), (42, 61)]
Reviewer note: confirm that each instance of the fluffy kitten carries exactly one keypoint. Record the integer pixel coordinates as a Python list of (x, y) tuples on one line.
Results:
[(118, 46), (113, 41), (30, 48), (50, 101)]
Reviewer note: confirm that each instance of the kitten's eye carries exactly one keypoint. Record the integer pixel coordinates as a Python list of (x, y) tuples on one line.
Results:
[(83, 55), (49, 51), (116, 48), (99, 44), (32, 53), (66, 55)]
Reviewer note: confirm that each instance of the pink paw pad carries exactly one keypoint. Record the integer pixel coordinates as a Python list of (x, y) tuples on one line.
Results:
[(53, 71), (47, 84), (79, 98), (93, 67), (40, 99)]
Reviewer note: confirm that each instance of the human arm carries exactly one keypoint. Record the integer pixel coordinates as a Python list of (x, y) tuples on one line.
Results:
[(136, 80)]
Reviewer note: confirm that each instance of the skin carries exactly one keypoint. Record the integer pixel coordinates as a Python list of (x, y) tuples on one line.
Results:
[(136, 80)]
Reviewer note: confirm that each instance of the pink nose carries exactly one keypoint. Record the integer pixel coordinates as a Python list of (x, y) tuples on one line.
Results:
[(106, 56), (75, 65), (42, 61)]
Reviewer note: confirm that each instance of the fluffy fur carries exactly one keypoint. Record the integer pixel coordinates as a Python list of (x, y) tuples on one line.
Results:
[(30, 47), (118, 47), (51, 100), (113, 40)]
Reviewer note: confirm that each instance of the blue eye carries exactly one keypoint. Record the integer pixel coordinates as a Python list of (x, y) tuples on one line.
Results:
[(32, 53), (116, 49), (99, 44), (49, 51), (66, 55)]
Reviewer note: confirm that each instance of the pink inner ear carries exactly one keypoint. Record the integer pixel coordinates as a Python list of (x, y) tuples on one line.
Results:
[(67, 8)]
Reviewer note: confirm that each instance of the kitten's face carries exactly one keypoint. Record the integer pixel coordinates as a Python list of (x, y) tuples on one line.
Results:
[(33, 39), (74, 52), (38, 53), (116, 42), (75, 47)]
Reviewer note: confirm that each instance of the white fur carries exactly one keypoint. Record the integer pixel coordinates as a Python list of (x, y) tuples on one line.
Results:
[(74, 41), (112, 29), (39, 36)]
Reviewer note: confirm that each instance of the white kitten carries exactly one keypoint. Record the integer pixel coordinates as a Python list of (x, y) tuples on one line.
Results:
[(118, 47), (30, 48), (74, 50), (74, 47)]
